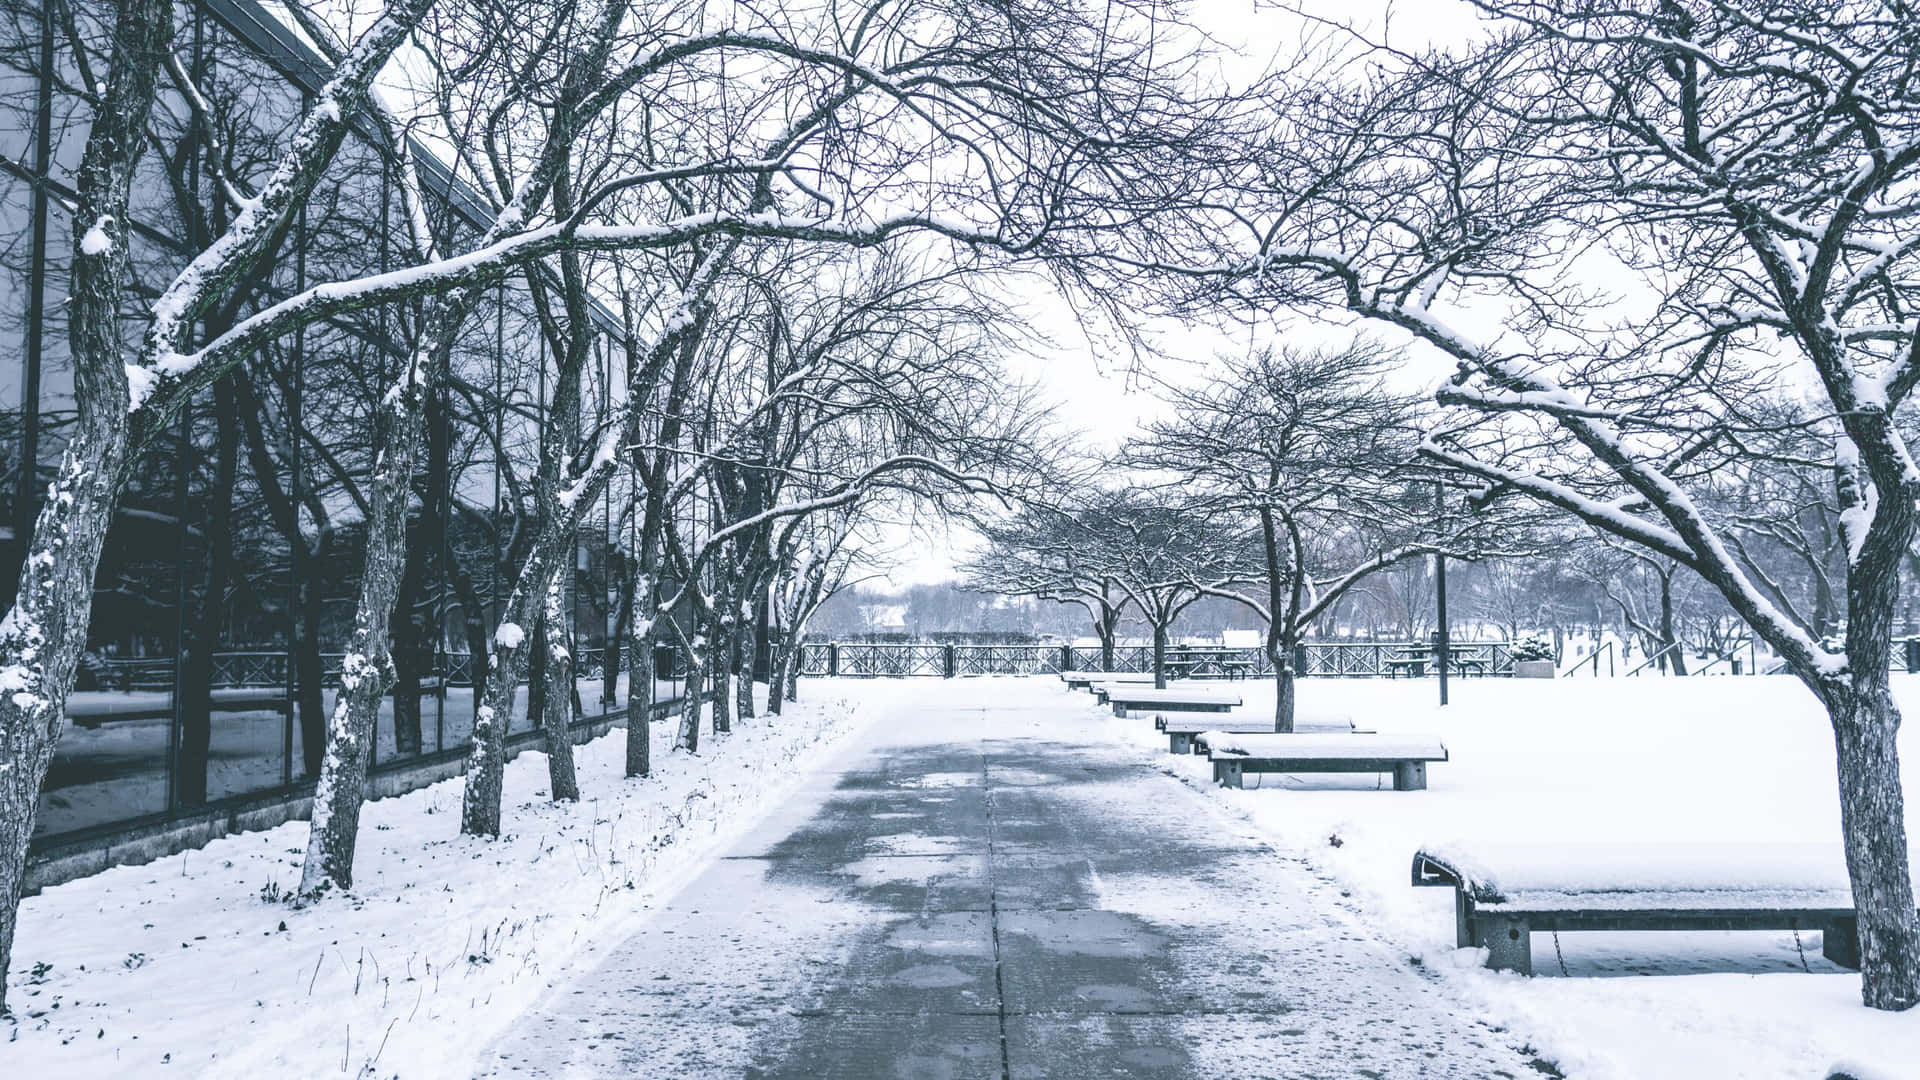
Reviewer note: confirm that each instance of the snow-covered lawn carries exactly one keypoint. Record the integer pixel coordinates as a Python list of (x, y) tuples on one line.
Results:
[(195, 965), (1613, 761)]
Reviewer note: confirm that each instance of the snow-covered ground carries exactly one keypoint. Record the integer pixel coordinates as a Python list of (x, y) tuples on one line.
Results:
[(195, 965), (1614, 761)]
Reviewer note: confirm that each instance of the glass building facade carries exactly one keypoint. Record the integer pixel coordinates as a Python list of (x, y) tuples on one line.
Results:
[(228, 583)]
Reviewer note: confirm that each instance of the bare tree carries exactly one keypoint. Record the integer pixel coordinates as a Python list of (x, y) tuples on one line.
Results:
[(1163, 555), (1640, 585), (815, 566), (1781, 518), (534, 106), (1518, 595), (1317, 449), (121, 404), (1739, 174), (1044, 553)]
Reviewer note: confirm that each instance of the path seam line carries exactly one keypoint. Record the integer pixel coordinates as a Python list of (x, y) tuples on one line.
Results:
[(993, 917)]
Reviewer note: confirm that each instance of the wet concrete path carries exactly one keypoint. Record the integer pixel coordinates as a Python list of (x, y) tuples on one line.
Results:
[(987, 887)]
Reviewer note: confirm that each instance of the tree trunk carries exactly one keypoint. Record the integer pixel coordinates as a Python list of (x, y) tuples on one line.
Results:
[(640, 675), (473, 622), (612, 656), (513, 643), (304, 610), (417, 627), (1284, 707), (367, 668), (537, 665), (779, 659), (1160, 656), (1282, 650), (1866, 724), (721, 666), (1669, 639), (406, 689), (487, 756), (796, 652), (764, 662), (309, 673), (749, 659), (693, 695), (408, 634), (203, 637), (42, 637), (557, 718)]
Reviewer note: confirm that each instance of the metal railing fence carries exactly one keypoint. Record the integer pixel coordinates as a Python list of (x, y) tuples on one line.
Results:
[(1331, 659)]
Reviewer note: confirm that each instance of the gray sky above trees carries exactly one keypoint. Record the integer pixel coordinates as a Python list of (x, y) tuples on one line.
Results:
[(1107, 394)]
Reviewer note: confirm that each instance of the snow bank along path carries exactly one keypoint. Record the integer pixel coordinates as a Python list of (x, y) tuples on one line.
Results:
[(993, 889), (195, 965)]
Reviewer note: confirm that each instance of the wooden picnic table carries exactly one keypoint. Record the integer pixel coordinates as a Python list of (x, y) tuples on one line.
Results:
[(1189, 663), (1413, 661)]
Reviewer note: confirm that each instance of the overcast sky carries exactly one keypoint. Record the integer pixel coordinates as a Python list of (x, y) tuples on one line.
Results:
[(1106, 396)]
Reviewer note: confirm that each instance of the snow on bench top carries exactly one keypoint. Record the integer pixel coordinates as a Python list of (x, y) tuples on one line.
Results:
[(1191, 725), (1325, 746), (1127, 695), (1641, 876)]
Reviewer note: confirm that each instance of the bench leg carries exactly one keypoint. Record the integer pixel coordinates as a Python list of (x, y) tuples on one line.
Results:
[(1119, 710), (1410, 776), (1840, 943), (1509, 942), (1227, 773), (1178, 743)]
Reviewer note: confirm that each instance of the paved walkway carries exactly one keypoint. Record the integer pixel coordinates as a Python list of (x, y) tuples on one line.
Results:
[(988, 887)]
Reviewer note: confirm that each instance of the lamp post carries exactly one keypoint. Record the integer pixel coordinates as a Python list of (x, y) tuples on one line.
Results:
[(1440, 635), (1440, 599)]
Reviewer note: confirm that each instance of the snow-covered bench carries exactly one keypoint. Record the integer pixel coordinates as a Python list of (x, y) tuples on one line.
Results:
[(1503, 894), (1101, 688), (1405, 756), (1123, 698), (1180, 731), (1086, 680)]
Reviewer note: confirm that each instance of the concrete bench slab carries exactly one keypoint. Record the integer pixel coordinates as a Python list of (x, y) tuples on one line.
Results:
[(1123, 698), (1085, 680), (1180, 730), (1503, 893), (1233, 755)]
